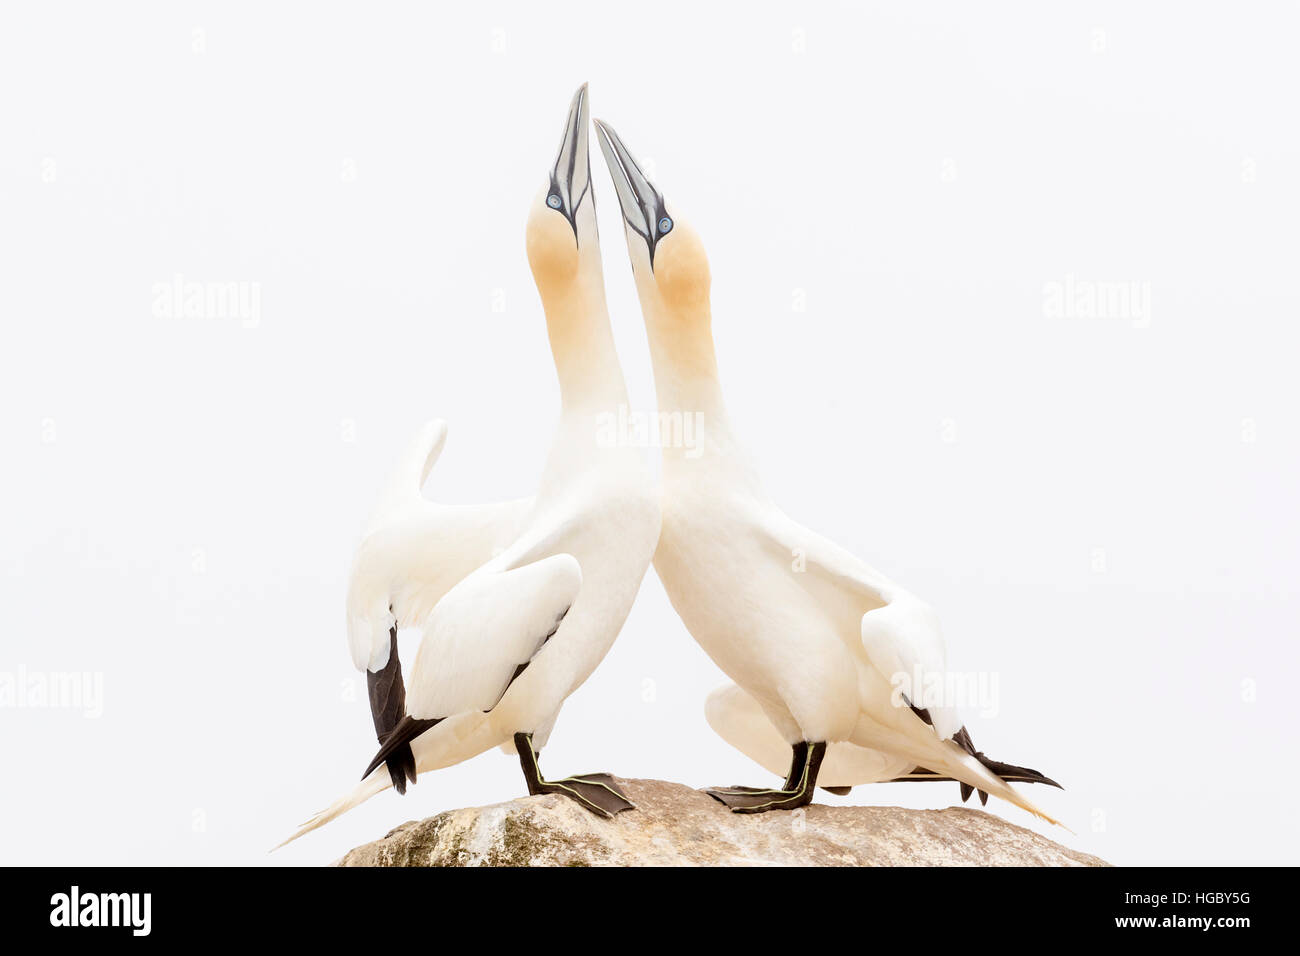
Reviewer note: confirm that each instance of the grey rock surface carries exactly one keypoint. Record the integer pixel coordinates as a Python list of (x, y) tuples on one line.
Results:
[(674, 825)]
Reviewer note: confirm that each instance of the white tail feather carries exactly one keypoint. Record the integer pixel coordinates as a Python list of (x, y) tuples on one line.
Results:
[(455, 739), (959, 765), (377, 782)]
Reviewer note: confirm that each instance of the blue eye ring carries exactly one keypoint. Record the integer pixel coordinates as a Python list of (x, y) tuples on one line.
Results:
[(554, 201), (665, 225)]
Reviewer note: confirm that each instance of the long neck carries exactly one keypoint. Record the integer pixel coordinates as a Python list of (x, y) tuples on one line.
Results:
[(577, 323), (686, 379)]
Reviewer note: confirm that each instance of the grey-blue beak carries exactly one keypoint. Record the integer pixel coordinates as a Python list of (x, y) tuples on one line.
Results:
[(642, 204), (571, 174)]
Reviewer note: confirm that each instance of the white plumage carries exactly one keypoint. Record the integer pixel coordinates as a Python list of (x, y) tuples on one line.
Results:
[(822, 644), (736, 717), (488, 625), (505, 642), (415, 550)]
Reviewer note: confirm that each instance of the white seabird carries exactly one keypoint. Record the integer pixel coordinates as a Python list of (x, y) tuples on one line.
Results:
[(815, 638), (413, 552), (506, 645)]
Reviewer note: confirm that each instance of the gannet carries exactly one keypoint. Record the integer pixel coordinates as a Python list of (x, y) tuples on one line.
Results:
[(507, 644), (413, 552), (815, 639)]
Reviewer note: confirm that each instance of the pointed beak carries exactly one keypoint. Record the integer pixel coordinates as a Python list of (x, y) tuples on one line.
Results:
[(642, 204), (571, 174)]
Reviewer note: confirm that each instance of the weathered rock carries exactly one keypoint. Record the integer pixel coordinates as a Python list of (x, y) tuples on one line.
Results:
[(674, 825)]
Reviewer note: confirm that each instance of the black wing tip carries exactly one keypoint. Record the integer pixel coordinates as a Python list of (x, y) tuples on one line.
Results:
[(1005, 772), (398, 744), (401, 767), (1014, 774), (387, 694), (1008, 772)]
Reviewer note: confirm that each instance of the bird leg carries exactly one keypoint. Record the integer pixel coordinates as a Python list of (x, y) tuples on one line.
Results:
[(797, 791), (596, 791), (797, 762)]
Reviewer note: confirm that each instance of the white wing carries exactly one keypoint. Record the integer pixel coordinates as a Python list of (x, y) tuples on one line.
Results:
[(409, 475), (901, 637), (899, 632), (484, 630), (415, 551)]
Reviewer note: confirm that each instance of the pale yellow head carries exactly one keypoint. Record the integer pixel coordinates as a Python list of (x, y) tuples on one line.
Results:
[(564, 254), (563, 245), (669, 263)]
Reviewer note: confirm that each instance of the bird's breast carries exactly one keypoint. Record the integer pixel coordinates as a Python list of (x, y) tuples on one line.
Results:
[(746, 609)]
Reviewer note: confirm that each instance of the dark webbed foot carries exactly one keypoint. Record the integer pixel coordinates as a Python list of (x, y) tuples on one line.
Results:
[(596, 792), (753, 800), (797, 791)]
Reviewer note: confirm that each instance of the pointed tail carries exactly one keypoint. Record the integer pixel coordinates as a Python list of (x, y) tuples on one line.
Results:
[(367, 788), (974, 771), (456, 739), (397, 746), (1008, 773)]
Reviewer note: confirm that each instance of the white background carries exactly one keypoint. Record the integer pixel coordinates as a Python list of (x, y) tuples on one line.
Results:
[(1103, 510)]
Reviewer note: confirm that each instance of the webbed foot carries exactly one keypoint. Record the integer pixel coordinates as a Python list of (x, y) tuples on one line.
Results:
[(797, 791), (596, 792)]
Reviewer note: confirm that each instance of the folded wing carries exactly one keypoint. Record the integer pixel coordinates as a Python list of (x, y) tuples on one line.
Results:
[(484, 633), (899, 632)]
